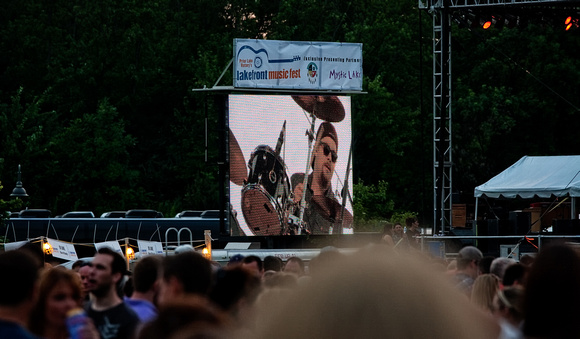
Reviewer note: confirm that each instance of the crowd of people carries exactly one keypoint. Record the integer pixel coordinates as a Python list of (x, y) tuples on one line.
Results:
[(379, 291)]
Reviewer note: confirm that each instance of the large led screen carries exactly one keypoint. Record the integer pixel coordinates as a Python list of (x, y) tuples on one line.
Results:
[(278, 145)]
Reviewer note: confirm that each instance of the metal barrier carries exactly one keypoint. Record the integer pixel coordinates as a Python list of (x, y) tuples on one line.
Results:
[(178, 236), (541, 238)]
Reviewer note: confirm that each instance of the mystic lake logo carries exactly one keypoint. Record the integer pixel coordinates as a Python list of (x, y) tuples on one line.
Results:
[(312, 72)]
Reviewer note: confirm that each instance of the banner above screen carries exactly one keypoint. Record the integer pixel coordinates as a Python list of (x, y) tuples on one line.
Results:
[(297, 65)]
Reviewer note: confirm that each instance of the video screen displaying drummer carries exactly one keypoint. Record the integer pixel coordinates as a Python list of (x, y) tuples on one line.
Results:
[(278, 146)]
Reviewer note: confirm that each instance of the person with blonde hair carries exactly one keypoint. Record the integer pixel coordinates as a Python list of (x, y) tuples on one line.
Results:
[(375, 294), (509, 310), (484, 289)]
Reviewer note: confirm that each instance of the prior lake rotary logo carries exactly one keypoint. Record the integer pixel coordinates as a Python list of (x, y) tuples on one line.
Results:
[(312, 72)]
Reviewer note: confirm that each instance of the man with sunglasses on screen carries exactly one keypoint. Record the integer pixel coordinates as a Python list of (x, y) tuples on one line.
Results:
[(322, 210)]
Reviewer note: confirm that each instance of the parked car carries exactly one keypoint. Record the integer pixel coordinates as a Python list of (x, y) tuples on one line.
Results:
[(188, 214), (143, 214), (78, 214), (114, 214), (35, 213), (211, 214)]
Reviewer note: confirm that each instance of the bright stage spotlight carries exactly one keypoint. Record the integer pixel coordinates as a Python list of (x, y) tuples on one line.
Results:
[(486, 24), (485, 21), (570, 22)]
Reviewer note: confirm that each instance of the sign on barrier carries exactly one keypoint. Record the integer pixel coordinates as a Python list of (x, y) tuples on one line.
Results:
[(63, 250), (149, 247), (114, 245)]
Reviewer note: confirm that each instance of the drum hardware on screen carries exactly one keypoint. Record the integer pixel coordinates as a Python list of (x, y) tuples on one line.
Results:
[(270, 203), (266, 191)]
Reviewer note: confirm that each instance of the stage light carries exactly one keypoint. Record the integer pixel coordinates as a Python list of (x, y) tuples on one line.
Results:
[(510, 21), (485, 21), (462, 19), (206, 253), (207, 249), (570, 22), (46, 247), (472, 20), (129, 253)]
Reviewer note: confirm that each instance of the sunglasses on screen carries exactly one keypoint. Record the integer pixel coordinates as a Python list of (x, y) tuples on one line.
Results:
[(327, 151)]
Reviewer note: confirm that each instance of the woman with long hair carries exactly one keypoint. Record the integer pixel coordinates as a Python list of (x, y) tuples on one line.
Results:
[(59, 292), (484, 290)]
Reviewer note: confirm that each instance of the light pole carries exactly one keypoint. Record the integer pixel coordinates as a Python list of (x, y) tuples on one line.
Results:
[(19, 191)]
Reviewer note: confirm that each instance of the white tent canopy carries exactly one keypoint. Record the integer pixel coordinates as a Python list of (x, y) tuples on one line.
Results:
[(535, 176), (541, 177)]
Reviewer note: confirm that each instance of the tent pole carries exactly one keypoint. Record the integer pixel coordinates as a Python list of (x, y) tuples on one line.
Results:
[(475, 219), (573, 209)]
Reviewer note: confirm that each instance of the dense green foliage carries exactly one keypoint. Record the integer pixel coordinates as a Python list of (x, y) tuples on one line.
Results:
[(96, 98), (6, 207)]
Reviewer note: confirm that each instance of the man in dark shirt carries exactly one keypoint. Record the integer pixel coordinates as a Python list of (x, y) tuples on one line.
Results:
[(182, 275), (413, 232), (467, 268), (112, 317), (322, 211), (18, 291)]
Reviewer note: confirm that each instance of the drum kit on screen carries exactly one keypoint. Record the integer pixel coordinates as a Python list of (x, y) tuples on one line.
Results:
[(268, 203)]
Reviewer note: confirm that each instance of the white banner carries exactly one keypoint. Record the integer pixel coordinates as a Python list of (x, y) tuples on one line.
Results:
[(297, 65), (10, 246), (63, 250), (149, 247), (114, 245)]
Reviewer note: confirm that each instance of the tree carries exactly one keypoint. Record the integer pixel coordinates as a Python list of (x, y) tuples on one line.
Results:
[(101, 92), (91, 156), (372, 202), (6, 207), (513, 96)]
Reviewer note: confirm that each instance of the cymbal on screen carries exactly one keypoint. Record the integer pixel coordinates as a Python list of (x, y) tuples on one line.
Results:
[(238, 171), (325, 107)]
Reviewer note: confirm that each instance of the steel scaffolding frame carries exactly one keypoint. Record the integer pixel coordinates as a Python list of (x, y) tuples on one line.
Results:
[(435, 4), (442, 10), (442, 167)]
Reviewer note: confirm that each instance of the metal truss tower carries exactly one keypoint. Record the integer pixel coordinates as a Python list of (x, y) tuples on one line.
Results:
[(442, 10)]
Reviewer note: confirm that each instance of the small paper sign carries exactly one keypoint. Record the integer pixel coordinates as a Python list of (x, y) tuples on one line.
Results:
[(114, 245), (63, 250), (149, 247), (10, 246)]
